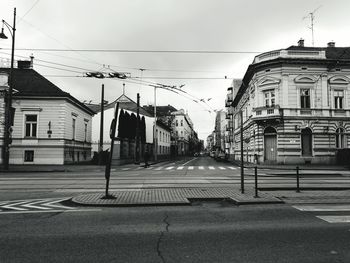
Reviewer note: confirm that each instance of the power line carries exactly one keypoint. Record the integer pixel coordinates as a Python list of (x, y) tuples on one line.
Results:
[(137, 51)]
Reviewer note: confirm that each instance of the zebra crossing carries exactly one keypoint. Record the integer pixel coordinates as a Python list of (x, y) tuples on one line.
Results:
[(331, 213), (181, 168)]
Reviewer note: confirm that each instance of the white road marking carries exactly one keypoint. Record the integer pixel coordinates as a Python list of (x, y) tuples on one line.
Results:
[(49, 211), (10, 206), (125, 169), (55, 205), (201, 167), (32, 205), (211, 168), (222, 168), (322, 208), (159, 168), (189, 161), (180, 167), (190, 167), (232, 168), (169, 168), (139, 168), (335, 219)]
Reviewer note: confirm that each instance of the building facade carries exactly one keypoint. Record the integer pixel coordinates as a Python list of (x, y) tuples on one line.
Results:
[(295, 106), (50, 126)]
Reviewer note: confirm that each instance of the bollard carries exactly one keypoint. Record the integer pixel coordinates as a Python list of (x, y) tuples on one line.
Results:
[(298, 187), (256, 182)]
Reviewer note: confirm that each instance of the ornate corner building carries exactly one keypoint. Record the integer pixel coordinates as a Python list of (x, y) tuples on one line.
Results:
[(295, 106)]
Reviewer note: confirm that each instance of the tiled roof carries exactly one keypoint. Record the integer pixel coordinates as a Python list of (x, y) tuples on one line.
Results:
[(30, 83)]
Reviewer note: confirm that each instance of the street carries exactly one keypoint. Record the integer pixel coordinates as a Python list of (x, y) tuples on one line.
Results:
[(203, 232), (190, 172), (40, 223)]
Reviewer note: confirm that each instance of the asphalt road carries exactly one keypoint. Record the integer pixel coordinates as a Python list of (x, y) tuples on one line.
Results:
[(204, 232), (194, 172)]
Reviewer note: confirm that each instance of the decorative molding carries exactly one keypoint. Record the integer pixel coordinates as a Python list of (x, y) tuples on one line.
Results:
[(339, 79), (74, 114), (31, 109), (268, 81), (303, 78)]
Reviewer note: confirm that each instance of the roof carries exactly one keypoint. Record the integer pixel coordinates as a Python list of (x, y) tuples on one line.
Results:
[(163, 125), (331, 52), (161, 110), (333, 55), (124, 103), (30, 83)]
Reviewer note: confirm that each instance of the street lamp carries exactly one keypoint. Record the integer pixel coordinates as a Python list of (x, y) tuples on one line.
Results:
[(8, 95)]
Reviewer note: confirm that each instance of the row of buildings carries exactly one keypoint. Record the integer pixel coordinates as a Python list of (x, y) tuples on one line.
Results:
[(52, 127), (291, 106)]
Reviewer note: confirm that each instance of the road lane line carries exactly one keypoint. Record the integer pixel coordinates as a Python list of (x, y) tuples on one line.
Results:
[(190, 167), (211, 168), (322, 208), (169, 168), (232, 168), (10, 206), (201, 167), (32, 205), (222, 168), (180, 167), (126, 169), (335, 219), (159, 168), (48, 211), (190, 161)]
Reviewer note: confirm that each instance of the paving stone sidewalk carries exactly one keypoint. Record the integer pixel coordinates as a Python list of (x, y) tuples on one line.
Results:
[(177, 196)]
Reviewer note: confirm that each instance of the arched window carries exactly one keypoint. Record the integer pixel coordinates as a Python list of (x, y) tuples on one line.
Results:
[(339, 138), (270, 130)]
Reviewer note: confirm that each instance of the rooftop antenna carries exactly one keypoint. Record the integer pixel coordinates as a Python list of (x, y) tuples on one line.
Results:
[(312, 17), (123, 88)]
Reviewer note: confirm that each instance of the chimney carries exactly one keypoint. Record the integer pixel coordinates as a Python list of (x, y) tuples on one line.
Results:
[(301, 42), (331, 44)]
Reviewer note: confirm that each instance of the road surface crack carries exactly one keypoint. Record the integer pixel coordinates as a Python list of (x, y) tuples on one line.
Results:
[(162, 233)]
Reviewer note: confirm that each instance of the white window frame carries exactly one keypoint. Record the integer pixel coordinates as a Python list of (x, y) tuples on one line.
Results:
[(25, 125), (269, 98), (74, 127), (340, 138)]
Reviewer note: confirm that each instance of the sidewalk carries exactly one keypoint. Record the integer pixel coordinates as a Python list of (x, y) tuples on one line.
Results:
[(174, 196)]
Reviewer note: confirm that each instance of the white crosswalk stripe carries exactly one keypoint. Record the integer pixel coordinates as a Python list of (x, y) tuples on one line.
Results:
[(317, 209), (182, 167)]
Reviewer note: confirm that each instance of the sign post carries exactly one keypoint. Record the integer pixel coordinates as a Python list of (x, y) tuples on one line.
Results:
[(109, 161)]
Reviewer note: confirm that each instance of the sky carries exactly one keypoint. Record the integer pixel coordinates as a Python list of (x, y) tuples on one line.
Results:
[(84, 34)]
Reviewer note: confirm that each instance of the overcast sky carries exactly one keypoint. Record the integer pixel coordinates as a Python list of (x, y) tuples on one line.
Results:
[(199, 25)]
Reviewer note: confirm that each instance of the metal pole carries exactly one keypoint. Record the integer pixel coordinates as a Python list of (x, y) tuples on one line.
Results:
[(8, 116), (137, 155), (100, 149), (298, 187), (256, 181), (155, 125), (242, 162)]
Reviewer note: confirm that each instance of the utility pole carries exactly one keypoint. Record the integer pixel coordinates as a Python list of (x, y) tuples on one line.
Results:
[(155, 125), (137, 156), (100, 148), (242, 162)]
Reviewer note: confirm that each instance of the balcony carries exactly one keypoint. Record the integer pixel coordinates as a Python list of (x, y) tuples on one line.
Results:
[(265, 114), (229, 126)]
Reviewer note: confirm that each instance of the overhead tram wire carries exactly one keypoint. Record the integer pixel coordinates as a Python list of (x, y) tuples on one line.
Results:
[(139, 51)]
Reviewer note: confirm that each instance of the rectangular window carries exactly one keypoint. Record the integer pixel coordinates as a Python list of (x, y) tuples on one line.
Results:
[(182, 123), (338, 99), (85, 131), (269, 96), (29, 156), (73, 128), (31, 122), (305, 98)]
